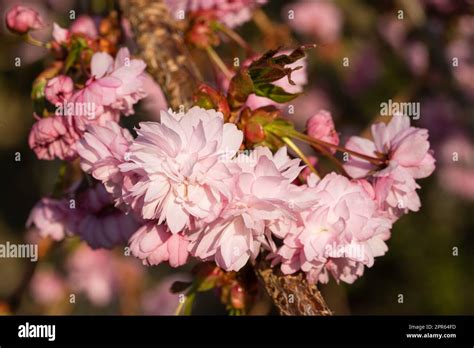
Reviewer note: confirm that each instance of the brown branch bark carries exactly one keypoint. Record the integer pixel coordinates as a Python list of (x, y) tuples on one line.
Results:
[(161, 46)]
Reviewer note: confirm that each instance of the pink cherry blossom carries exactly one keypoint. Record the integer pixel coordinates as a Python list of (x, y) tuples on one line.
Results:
[(131, 73), (341, 233), (50, 217), (258, 208), (100, 89), (47, 286), (93, 273), (99, 223), (58, 89), (321, 126), (53, 137), (102, 149), (115, 86), (21, 19), (154, 243), (409, 157), (180, 169), (319, 18), (230, 12), (84, 25)]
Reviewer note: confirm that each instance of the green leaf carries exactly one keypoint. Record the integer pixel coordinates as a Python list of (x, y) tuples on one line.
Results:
[(240, 87), (188, 306), (275, 93)]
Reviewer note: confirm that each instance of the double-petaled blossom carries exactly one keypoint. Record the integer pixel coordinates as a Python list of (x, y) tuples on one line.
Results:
[(21, 19), (102, 149), (262, 204), (408, 156), (154, 243), (54, 137), (340, 234), (115, 86), (179, 174)]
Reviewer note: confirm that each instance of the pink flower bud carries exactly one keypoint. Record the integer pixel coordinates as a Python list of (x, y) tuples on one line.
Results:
[(53, 137), (59, 89), (21, 19), (321, 126), (84, 25), (60, 35)]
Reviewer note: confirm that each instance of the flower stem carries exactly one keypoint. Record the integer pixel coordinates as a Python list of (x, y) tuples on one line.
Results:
[(31, 40), (300, 153), (319, 143), (233, 35), (218, 61)]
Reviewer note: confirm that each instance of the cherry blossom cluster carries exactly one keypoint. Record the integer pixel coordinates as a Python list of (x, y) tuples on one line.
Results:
[(224, 180)]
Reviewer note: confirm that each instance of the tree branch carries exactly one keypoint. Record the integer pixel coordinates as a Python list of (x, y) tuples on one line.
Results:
[(161, 46)]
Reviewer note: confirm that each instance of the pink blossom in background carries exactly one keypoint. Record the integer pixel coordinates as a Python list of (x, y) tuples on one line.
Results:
[(93, 273), (313, 99), (393, 30), (409, 157), (457, 166), (50, 217), (230, 12), (363, 71), (178, 160), (99, 223), (460, 49), (321, 19), (58, 89), (47, 286), (321, 126), (159, 300), (416, 56), (53, 137), (102, 149), (154, 243), (339, 234), (21, 19), (258, 208), (84, 25)]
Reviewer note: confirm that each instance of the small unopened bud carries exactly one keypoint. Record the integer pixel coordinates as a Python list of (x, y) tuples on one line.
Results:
[(208, 98)]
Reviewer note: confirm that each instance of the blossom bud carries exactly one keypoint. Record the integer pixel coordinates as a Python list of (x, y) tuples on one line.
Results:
[(21, 19)]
